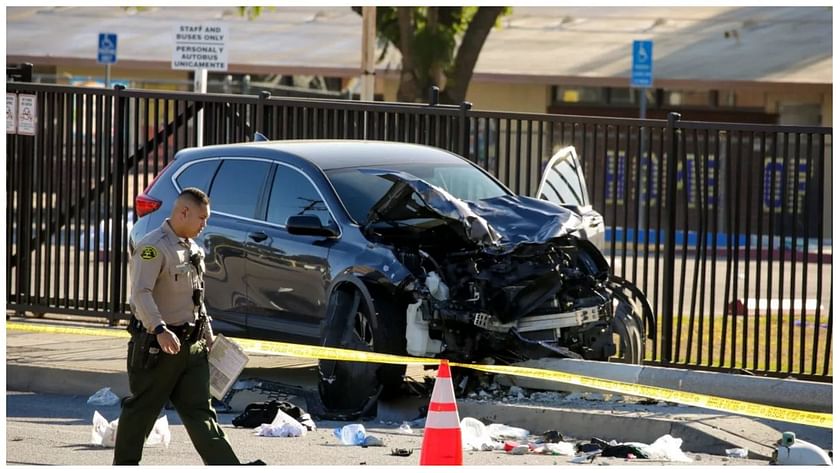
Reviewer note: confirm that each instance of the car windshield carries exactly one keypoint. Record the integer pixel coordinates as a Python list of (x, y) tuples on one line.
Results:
[(359, 191)]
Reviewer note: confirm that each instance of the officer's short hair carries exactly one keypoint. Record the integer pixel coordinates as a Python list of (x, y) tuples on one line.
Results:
[(194, 196)]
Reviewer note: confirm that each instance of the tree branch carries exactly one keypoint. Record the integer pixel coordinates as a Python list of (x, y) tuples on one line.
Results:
[(459, 76)]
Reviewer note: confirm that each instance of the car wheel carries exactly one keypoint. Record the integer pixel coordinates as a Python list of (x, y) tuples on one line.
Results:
[(354, 325), (630, 338)]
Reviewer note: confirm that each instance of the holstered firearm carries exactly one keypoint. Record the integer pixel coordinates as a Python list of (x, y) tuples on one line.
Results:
[(143, 348)]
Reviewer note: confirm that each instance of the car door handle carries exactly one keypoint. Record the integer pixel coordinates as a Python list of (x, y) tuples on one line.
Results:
[(257, 236)]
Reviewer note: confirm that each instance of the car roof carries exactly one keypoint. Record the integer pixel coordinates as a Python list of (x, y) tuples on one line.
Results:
[(337, 154)]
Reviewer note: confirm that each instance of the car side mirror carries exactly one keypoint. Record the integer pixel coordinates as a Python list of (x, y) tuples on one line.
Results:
[(309, 225)]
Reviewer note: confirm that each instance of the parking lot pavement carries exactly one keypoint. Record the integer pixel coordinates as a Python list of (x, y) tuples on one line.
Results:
[(81, 365)]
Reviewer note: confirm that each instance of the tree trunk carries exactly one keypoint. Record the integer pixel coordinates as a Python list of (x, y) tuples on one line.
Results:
[(461, 73), (407, 91)]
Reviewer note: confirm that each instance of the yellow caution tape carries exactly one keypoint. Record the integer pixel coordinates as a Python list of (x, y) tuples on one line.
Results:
[(734, 406)]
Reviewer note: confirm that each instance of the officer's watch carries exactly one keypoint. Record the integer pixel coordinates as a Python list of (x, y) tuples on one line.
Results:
[(159, 329)]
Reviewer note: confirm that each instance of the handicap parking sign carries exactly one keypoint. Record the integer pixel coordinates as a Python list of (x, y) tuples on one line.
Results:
[(107, 52), (642, 71)]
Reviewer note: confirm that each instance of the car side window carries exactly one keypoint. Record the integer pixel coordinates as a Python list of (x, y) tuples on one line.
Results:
[(198, 175), (236, 188), (293, 194)]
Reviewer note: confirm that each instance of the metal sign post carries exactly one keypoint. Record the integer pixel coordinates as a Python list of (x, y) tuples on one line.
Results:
[(107, 54), (200, 47), (642, 71)]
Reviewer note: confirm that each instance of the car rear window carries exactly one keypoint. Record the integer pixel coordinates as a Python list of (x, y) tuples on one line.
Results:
[(236, 187), (198, 175)]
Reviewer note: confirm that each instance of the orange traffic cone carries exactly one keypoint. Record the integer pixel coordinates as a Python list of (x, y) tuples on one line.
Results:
[(442, 435)]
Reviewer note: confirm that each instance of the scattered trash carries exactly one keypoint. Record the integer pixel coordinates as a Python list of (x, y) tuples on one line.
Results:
[(552, 436), (283, 425), (401, 452), (665, 448), (560, 448), (585, 457), (519, 450), (104, 433), (623, 451), (630, 456), (474, 435), (351, 434), (792, 451), (405, 428), (103, 397), (371, 441), (737, 452), (503, 432), (160, 433), (259, 413)]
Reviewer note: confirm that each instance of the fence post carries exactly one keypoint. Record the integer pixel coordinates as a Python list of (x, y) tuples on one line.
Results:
[(668, 288), (116, 260), (464, 127), (26, 156), (261, 115)]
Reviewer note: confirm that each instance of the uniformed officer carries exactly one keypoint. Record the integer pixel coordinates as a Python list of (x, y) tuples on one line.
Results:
[(165, 271)]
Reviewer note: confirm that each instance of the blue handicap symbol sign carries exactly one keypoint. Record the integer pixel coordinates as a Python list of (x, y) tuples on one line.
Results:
[(642, 70), (107, 52)]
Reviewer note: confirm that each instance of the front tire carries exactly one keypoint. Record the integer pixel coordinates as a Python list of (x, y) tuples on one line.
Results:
[(354, 324)]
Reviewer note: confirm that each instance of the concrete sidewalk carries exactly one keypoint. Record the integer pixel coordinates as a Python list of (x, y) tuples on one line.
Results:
[(81, 365)]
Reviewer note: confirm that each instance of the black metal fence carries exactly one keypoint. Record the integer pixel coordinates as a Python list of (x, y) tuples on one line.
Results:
[(726, 227)]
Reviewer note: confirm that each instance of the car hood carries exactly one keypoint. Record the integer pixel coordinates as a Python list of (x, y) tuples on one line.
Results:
[(500, 222)]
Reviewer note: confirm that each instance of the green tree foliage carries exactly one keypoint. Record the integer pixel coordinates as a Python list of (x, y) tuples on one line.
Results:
[(439, 46)]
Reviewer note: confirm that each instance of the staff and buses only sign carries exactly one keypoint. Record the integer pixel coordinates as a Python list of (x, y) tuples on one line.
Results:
[(201, 46)]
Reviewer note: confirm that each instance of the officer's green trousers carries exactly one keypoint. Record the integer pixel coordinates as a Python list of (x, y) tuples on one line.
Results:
[(184, 378)]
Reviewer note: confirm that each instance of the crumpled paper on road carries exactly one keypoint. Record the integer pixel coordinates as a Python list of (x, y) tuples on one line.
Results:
[(283, 425), (104, 433)]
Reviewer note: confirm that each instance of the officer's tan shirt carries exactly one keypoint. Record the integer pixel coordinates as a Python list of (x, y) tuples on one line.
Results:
[(162, 278)]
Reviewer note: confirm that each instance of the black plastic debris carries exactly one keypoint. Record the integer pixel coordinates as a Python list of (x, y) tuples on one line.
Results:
[(401, 452), (552, 436)]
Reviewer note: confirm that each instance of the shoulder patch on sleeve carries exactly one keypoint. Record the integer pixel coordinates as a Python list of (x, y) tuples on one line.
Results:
[(148, 253)]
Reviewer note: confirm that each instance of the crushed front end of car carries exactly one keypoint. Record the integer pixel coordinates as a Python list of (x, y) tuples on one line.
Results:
[(509, 277)]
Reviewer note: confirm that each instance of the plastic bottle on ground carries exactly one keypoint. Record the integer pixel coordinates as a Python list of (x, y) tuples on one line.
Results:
[(351, 434)]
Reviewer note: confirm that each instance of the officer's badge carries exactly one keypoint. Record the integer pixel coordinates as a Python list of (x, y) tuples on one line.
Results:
[(148, 253)]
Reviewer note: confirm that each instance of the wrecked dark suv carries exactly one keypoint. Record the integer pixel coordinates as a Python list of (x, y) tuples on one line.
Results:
[(403, 249)]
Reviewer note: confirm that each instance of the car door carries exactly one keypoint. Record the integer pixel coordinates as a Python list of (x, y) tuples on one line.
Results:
[(563, 183), (288, 274), (235, 192)]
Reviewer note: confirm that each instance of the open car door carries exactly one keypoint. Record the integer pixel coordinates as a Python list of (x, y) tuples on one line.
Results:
[(563, 183)]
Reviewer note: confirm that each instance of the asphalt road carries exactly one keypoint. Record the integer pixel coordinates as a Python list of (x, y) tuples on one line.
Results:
[(46, 429)]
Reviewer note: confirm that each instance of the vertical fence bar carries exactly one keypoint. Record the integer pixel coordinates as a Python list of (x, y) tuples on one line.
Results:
[(820, 242), (670, 238), (120, 135)]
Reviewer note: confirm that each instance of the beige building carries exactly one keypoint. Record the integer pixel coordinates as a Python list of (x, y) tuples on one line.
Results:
[(750, 64)]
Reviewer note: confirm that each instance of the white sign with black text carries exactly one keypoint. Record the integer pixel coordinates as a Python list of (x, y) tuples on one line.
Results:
[(201, 46), (11, 113), (27, 114)]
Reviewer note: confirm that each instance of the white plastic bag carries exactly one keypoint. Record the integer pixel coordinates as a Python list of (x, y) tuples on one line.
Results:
[(160, 433), (504, 432), (474, 436), (666, 448), (103, 397), (283, 425), (104, 433), (561, 448)]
